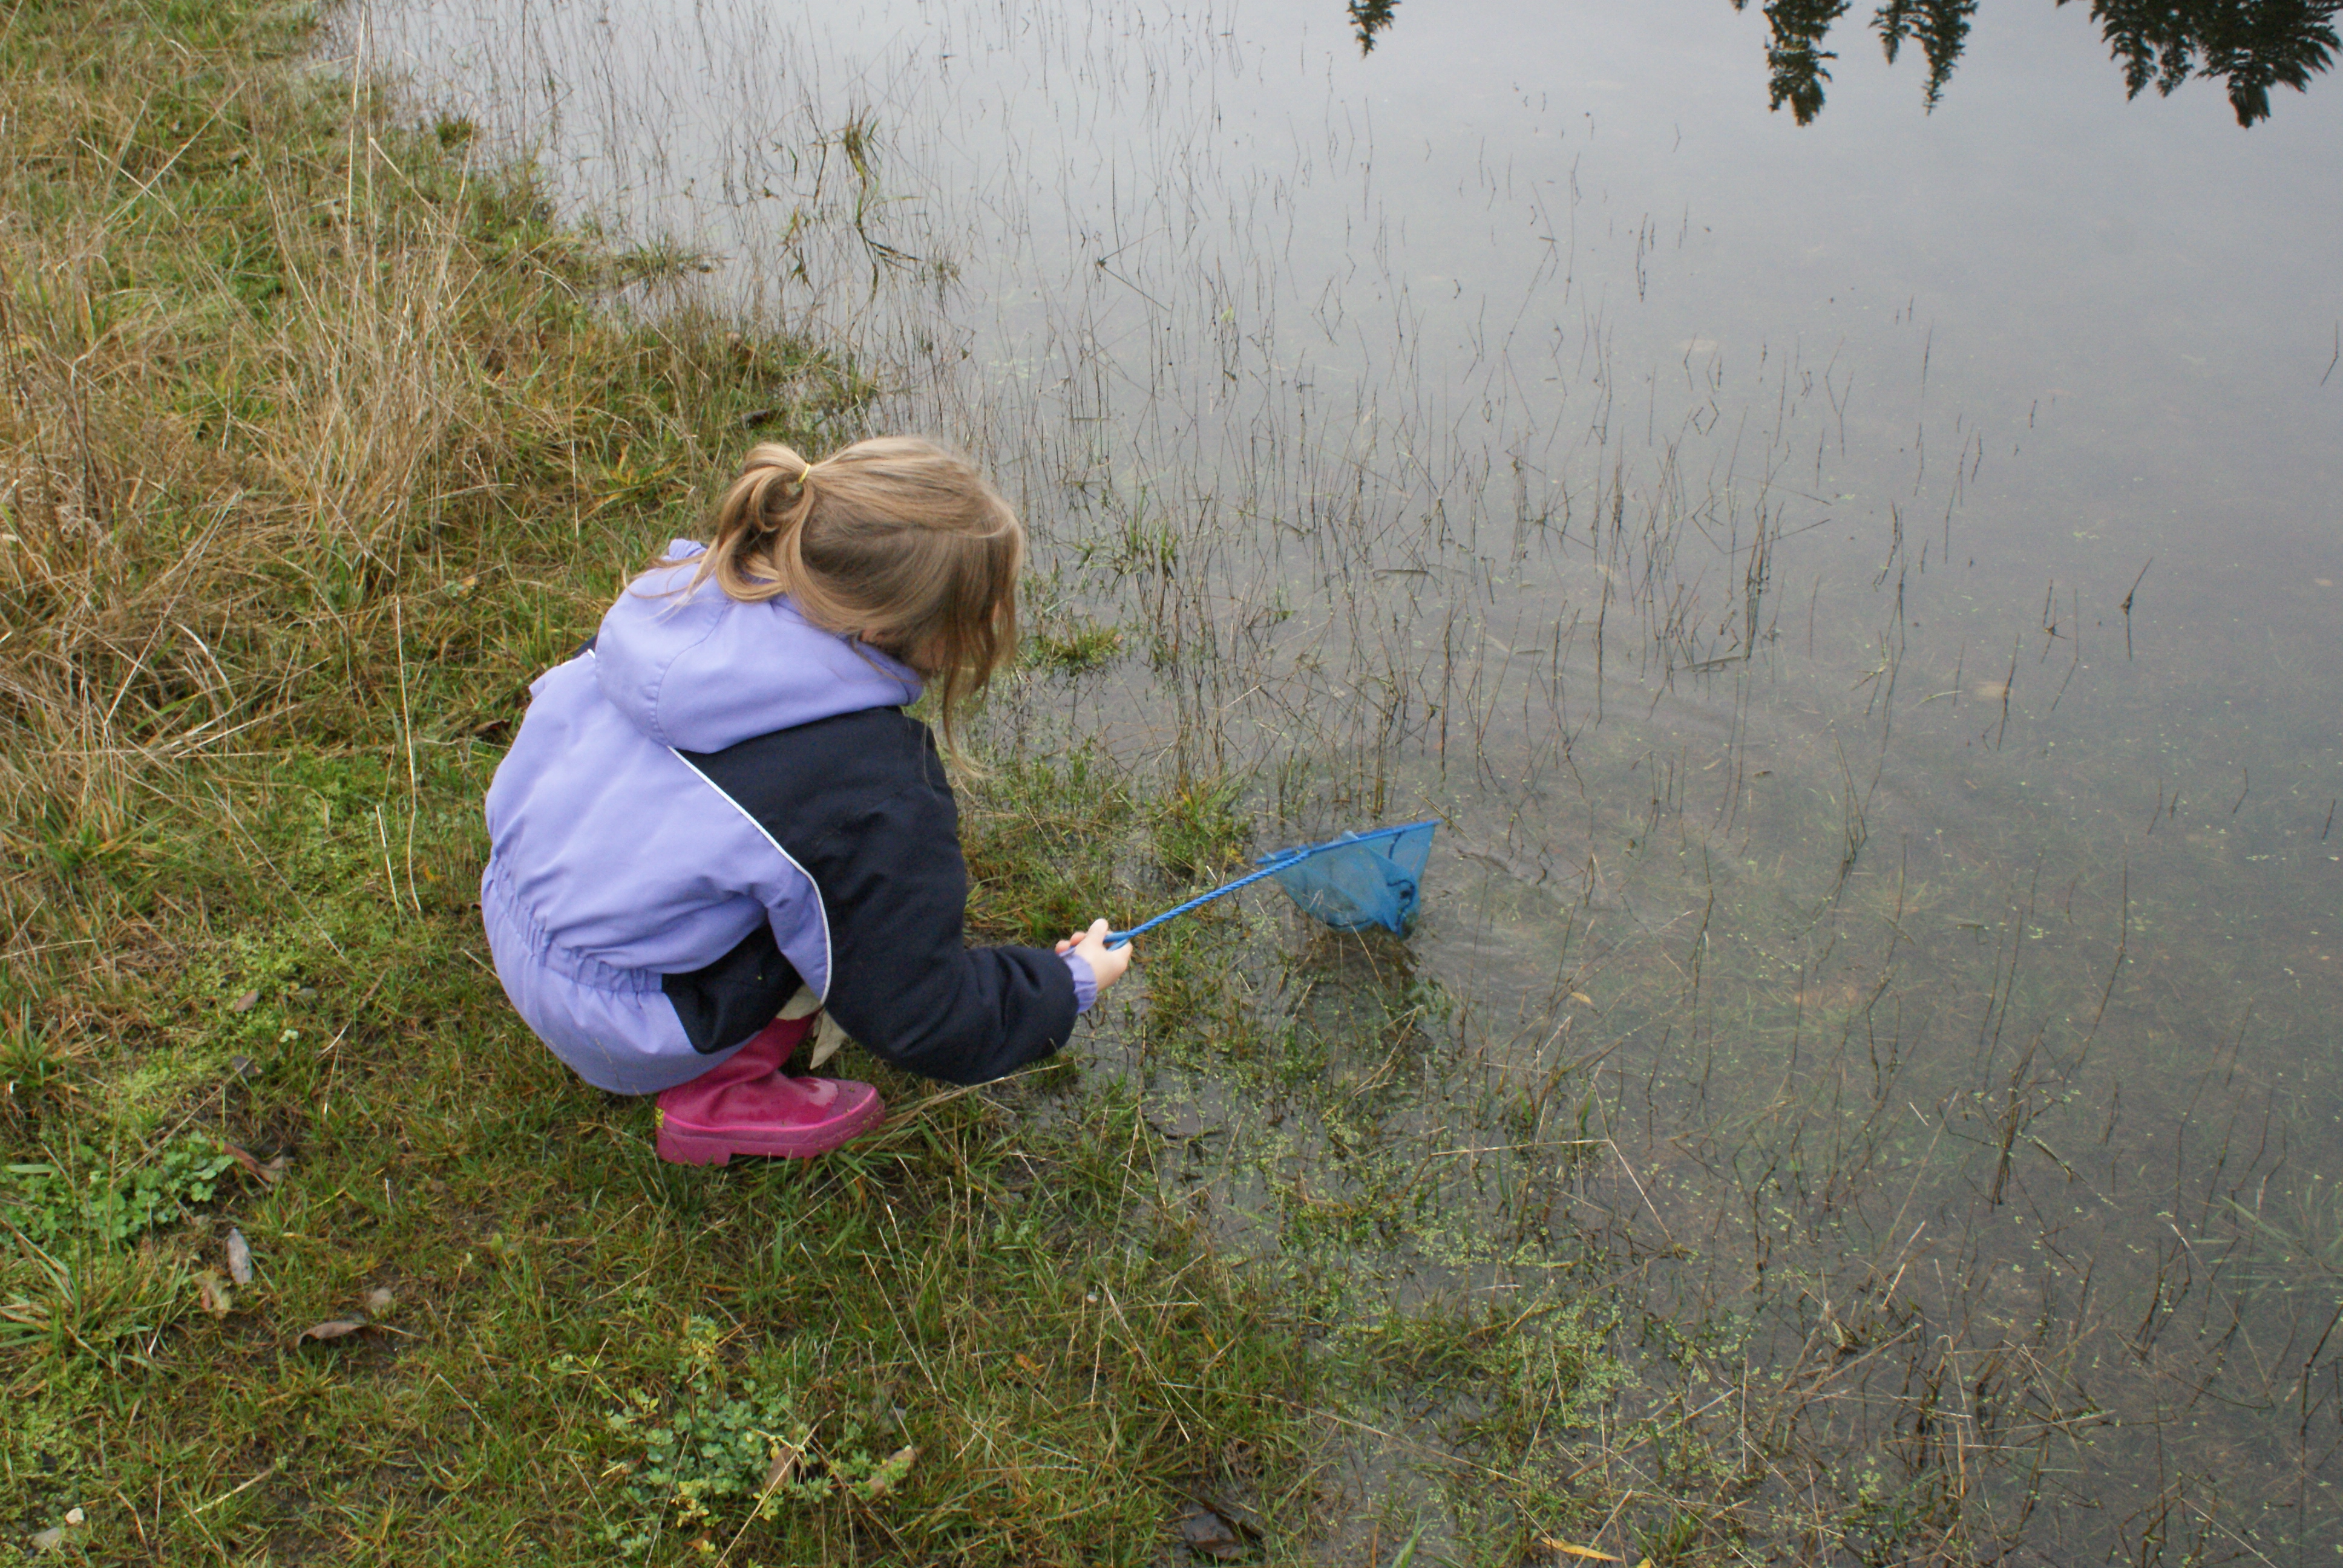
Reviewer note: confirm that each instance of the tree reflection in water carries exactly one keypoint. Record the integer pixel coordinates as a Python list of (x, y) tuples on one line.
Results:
[(1369, 17), (2251, 46)]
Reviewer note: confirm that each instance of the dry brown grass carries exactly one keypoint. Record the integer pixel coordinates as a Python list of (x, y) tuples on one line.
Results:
[(178, 453), (293, 398)]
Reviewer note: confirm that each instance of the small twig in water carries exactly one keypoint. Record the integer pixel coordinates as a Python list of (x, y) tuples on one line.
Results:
[(2008, 682), (2126, 603)]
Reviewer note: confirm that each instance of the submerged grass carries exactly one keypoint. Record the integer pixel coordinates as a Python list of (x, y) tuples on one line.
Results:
[(321, 438)]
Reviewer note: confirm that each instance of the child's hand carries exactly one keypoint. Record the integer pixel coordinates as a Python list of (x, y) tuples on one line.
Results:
[(1107, 963)]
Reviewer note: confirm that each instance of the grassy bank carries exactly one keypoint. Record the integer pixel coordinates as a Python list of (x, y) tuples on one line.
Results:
[(320, 439)]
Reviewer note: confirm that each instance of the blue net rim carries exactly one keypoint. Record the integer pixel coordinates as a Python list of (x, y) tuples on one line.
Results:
[(1372, 835)]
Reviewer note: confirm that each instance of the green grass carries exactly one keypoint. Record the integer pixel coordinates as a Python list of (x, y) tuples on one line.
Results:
[(1075, 647), (321, 438)]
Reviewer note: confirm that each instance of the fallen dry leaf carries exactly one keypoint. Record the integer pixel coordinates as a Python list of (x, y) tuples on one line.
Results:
[(213, 1292), (784, 1465), (378, 1300), (1581, 996), (267, 1175), (239, 1258), (891, 1470), (245, 1003), (331, 1328), (1589, 1553)]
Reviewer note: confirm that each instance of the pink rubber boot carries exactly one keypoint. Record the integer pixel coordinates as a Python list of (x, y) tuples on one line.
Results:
[(748, 1106)]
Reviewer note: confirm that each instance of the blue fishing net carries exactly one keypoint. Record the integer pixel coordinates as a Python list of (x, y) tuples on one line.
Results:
[(1359, 879)]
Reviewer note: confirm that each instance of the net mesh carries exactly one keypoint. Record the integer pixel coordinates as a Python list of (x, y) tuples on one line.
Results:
[(1361, 879)]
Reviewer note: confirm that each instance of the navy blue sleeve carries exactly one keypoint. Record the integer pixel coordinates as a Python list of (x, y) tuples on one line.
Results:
[(903, 982), (860, 802)]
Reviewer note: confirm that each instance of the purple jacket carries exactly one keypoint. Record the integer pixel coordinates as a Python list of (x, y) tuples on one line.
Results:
[(715, 801)]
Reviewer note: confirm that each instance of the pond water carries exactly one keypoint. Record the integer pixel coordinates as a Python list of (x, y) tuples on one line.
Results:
[(1862, 595)]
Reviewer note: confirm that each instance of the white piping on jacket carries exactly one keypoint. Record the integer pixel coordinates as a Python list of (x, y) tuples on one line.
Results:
[(829, 949)]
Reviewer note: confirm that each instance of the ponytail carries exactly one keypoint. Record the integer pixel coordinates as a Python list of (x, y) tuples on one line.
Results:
[(759, 526)]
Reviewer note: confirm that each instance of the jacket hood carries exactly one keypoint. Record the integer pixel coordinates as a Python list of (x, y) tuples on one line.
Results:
[(706, 671)]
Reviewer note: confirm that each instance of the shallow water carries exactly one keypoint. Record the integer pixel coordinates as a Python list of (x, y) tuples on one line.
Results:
[(1862, 595)]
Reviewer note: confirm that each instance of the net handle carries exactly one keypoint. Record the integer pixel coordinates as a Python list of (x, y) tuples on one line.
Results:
[(1117, 938), (1270, 866)]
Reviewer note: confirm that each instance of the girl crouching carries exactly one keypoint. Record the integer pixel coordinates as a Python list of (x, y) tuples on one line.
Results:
[(717, 822)]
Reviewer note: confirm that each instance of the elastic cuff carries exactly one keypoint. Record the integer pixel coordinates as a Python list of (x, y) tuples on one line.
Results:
[(1085, 982)]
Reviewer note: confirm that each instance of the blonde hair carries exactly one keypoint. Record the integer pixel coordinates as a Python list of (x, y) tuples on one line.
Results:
[(893, 539)]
